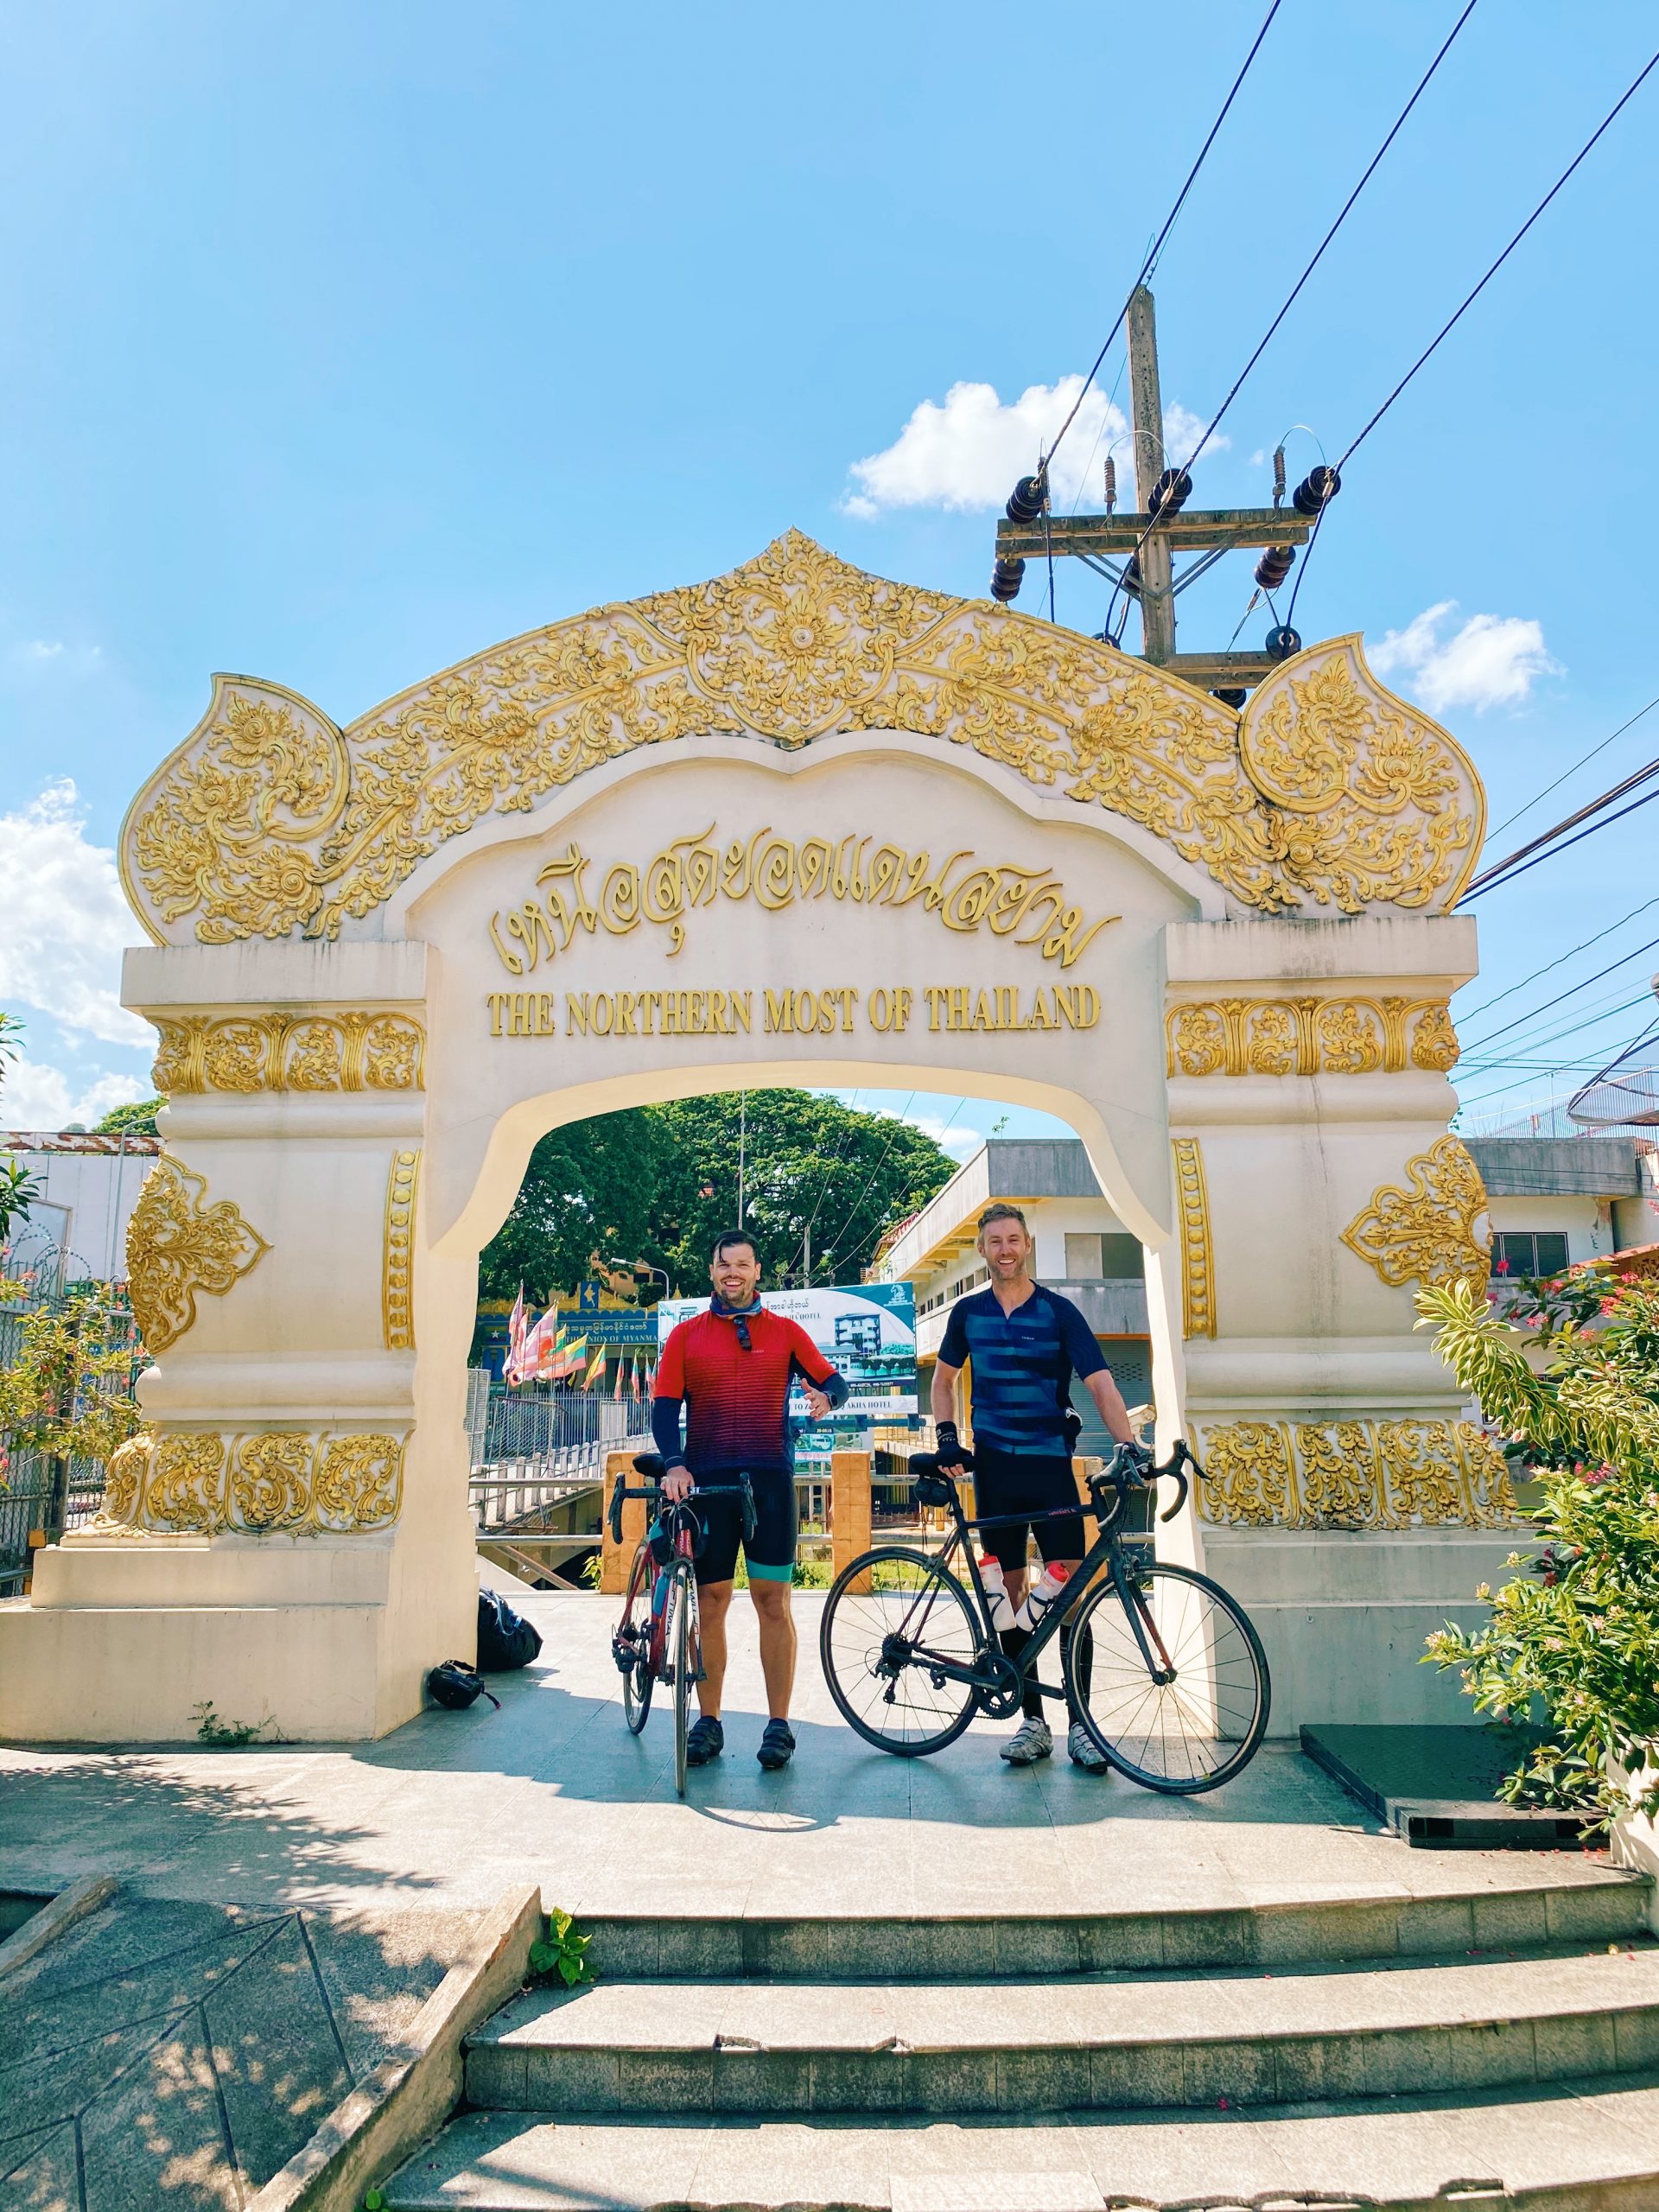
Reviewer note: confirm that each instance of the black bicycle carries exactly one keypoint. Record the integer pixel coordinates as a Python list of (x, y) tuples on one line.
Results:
[(660, 1636), (1162, 1666)]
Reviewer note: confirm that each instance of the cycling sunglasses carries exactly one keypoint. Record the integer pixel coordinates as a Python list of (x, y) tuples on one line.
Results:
[(741, 1323)]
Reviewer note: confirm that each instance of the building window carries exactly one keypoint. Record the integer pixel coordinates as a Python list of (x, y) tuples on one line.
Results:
[(1082, 1256), (1517, 1252)]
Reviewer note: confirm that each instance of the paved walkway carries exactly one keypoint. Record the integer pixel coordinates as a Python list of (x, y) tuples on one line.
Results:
[(451, 1810)]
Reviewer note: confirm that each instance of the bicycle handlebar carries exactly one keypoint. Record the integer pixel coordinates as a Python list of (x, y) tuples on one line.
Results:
[(1124, 1474), (651, 1491)]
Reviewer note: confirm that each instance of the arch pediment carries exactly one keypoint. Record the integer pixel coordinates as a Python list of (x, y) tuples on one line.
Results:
[(1326, 791)]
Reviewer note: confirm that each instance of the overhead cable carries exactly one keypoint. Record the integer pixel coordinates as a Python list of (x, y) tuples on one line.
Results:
[(1521, 1019), (1545, 846), (1471, 1013), (1574, 769), (1468, 300), (1292, 296), (1157, 246)]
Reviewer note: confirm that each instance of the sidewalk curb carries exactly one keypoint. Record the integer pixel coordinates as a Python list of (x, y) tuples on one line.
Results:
[(52, 1919), (418, 2085)]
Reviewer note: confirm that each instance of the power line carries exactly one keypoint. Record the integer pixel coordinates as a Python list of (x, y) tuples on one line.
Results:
[(875, 1235), (1451, 324), (829, 1174), (1472, 1013), (1574, 769), (848, 1218), (1575, 1027), (1522, 1020), (1157, 246), (1504, 872), (1294, 292)]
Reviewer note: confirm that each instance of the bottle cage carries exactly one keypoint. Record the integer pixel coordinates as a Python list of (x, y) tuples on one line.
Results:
[(666, 1532)]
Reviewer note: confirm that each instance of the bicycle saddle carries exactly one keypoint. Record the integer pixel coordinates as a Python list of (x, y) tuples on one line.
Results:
[(650, 1464)]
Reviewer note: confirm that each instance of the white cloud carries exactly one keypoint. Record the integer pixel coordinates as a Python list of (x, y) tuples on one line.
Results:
[(1493, 661), (66, 920), (34, 1096), (32, 653), (967, 453), (957, 1138)]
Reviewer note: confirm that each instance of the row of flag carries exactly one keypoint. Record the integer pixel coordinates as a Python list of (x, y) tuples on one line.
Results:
[(554, 1352)]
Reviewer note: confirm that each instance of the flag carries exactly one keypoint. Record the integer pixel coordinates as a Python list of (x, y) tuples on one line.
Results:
[(620, 1374), (513, 1368), (563, 1355), (638, 1362), (596, 1368)]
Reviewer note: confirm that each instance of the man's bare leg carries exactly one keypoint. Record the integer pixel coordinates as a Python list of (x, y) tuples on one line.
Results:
[(714, 1603), (776, 1625)]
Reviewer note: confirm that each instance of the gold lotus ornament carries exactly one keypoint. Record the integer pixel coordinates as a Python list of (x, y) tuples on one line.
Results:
[(177, 1246)]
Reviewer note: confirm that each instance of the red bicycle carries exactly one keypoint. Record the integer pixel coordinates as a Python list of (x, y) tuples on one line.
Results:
[(657, 1639)]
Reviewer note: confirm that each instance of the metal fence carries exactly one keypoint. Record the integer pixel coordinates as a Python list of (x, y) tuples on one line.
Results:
[(535, 1447), (42, 1495)]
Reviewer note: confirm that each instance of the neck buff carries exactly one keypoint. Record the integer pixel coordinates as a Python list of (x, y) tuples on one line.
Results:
[(718, 1305)]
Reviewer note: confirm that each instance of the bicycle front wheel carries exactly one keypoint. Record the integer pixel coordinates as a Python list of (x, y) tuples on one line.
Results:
[(891, 1618), (1175, 1688), (683, 1646), (636, 1616)]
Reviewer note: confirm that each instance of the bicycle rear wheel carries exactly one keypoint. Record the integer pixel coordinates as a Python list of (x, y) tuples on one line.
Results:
[(891, 1617), (683, 1649), (636, 1618), (1200, 1726)]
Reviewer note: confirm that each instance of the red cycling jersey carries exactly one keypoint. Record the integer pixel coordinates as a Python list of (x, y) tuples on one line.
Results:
[(737, 1401)]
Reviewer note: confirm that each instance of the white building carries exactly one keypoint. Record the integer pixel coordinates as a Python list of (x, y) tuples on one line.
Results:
[(1554, 1202), (89, 1186)]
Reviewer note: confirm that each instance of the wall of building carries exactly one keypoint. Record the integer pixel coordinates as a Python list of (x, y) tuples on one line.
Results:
[(1586, 1223), (86, 1197)]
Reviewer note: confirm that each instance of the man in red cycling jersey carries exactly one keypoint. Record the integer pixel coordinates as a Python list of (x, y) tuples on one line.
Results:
[(729, 1370)]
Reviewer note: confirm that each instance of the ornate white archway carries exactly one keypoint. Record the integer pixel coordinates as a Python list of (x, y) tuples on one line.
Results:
[(799, 824)]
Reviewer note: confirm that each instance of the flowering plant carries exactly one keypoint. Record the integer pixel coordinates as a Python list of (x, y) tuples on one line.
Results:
[(1574, 1638)]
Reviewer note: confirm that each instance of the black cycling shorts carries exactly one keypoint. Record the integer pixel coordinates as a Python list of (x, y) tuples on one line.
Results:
[(770, 1552), (1026, 1482)]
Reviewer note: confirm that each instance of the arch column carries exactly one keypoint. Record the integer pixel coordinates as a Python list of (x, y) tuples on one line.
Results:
[(1347, 1502), (283, 1538)]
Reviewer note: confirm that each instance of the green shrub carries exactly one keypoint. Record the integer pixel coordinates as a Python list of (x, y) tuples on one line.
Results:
[(1573, 1638)]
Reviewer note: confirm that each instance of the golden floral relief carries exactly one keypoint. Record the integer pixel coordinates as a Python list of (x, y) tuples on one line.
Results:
[(177, 1246), (1425, 1232), (273, 1481), (396, 1276), (1326, 791), (1354, 1474), (1309, 1036), (274, 1050)]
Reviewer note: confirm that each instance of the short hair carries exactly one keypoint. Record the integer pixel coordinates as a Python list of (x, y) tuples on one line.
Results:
[(1000, 1213), (728, 1237)]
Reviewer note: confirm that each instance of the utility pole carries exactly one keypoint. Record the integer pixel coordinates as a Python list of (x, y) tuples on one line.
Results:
[(1108, 542), (1146, 428), (808, 1256), (742, 1132)]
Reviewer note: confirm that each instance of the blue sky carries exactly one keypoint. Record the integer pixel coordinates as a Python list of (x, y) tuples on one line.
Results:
[(338, 342)]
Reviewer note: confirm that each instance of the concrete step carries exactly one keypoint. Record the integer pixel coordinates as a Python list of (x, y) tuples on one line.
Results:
[(1120, 2042), (1589, 2146), (1578, 1903)]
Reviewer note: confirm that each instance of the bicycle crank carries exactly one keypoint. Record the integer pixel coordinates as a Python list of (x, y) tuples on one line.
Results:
[(999, 1685)]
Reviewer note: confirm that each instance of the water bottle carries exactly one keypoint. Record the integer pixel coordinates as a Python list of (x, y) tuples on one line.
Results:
[(1040, 1596), (997, 1594)]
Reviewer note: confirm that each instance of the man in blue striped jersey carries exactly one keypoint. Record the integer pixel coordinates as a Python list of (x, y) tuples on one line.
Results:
[(1024, 1344)]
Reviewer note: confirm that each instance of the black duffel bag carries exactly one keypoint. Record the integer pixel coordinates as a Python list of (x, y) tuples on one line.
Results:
[(504, 1638)]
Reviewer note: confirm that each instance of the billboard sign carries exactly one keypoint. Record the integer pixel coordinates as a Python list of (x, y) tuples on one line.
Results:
[(866, 1330)]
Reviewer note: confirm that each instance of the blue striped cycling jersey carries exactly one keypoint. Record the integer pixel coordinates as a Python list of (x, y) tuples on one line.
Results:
[(1023, 1363)]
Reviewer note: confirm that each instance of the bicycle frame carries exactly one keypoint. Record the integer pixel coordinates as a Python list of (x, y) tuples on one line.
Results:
[(1106, 1551)]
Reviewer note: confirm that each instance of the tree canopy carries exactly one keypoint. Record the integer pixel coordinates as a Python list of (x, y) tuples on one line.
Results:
[(659, 1182), (138, 1120)]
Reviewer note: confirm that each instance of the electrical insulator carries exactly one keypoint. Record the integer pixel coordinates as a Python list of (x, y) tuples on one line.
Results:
[(1132, 575), (1170, 493), (1028, 498), (1319, 486), (1283, 642), (1274, 566), (1007, 578), (1234, 699), (1278, 476), (1111, 486)]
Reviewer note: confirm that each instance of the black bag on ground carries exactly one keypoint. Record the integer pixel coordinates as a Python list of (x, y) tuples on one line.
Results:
[(455, 1685), (504, 1638)]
